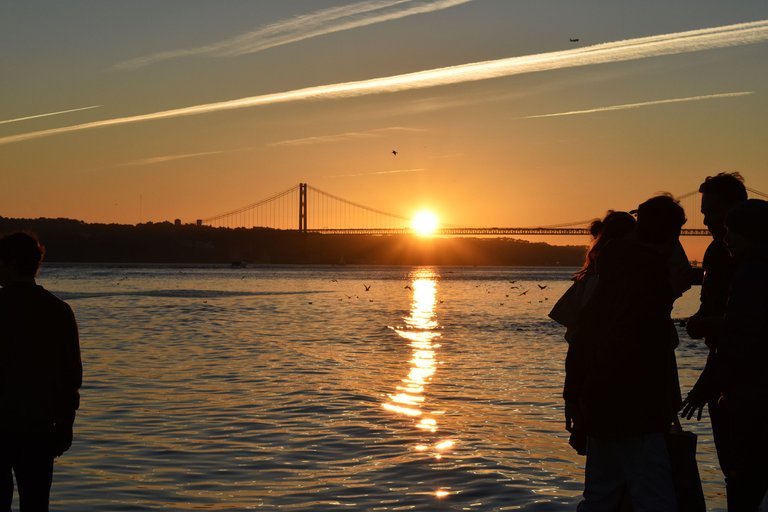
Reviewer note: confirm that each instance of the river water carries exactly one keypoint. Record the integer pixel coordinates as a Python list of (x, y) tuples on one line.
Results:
[(326, 389)]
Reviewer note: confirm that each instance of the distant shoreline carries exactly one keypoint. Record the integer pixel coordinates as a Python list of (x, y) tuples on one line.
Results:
[(73, 241)]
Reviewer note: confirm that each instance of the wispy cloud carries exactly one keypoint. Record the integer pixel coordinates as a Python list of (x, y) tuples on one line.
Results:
[(180, 156), (169, 158), (6, 121), (628, 106), (375, 173), (618, 51), (298, 28), (340, 137)]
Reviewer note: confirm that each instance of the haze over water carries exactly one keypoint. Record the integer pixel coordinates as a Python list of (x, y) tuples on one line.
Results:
[(294, 388)]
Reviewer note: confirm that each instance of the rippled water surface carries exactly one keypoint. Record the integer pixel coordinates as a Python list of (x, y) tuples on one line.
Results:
[(295, 388)]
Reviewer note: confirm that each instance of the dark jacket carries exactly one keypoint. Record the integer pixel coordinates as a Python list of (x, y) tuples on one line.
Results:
[(718, 272), (743, 351), (620, 366), (40, 367)]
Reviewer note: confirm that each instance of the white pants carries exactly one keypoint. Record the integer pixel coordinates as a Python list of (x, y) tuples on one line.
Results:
[(636, 465)]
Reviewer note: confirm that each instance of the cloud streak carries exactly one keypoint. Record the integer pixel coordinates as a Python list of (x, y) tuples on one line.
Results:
[(170, 158), (376, 173), (617, 51), (298, 28), (6, 121), (339, 137), (628, 106)]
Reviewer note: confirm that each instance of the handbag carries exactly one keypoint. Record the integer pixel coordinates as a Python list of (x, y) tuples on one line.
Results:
[(689, 494), (567, 309), (685, 471)]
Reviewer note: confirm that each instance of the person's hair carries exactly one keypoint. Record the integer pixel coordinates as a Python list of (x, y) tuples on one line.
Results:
[(660, 219), (728, 186), (23, 251), (749, 219), (613, 225)]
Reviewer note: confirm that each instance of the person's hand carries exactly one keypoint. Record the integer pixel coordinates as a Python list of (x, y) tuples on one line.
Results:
[(695, 327), (693, 404), (574, 418), (62, 438)]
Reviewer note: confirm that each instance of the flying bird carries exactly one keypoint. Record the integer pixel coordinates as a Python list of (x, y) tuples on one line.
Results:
[(523, 293), (541, 286), (394, 152), (367, 287), (574, 39)]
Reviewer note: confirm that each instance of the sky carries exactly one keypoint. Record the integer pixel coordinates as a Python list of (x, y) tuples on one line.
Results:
[(148, 111)]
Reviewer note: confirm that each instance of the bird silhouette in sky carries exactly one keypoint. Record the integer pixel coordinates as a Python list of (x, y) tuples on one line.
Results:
[(541, 286), (574, 39), (523, 293), (367, 287), (394, 152)]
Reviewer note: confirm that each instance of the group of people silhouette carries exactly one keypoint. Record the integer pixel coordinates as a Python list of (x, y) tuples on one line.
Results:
[(622, 394)]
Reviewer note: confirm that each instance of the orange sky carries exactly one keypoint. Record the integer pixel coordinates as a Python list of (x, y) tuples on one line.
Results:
[(475, 140)]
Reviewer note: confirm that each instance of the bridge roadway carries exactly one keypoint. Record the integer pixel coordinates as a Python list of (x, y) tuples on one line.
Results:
[(449, 231)]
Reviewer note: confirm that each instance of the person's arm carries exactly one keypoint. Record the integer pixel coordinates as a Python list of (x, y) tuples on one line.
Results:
[(71, 378)]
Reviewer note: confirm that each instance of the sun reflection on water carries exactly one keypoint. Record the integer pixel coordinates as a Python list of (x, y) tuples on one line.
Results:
[(421, 331)]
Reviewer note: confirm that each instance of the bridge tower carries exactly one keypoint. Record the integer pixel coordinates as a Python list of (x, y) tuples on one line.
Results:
[(303, 207)]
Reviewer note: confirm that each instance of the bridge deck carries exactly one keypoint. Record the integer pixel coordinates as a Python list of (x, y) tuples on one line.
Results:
[(477, 231)]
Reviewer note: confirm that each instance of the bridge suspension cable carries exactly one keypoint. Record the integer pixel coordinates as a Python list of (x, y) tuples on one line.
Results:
[(306, 208)]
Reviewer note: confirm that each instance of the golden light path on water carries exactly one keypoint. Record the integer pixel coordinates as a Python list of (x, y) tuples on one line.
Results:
[(421, 332)]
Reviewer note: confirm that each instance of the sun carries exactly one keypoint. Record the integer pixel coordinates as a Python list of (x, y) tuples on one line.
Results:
[(424, 223)]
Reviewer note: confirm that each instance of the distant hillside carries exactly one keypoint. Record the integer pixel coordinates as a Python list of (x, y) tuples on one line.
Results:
[(69, 240)]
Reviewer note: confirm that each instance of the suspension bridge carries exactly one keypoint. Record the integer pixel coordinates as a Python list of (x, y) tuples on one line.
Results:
[(307, 209)]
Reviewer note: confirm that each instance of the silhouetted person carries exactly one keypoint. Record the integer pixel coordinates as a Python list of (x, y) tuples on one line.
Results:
[(625, 374), (567, 311), (40, 375), (742, 357), (719, 195)]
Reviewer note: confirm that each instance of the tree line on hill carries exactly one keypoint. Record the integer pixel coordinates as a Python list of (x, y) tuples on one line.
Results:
[(68, 240)]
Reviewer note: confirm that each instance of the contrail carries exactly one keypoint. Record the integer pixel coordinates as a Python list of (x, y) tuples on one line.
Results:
[(618, 51), (643, 104), (375, 173), (320, 139), (170, 158), (6, 121), (326, 21)]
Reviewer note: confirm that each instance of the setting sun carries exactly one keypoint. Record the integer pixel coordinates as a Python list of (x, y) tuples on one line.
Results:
[(424, 223)]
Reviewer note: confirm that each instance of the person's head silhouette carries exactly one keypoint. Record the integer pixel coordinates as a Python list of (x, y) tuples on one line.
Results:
[(660, 220), (719, 194), (20, 257), (747, 225)]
